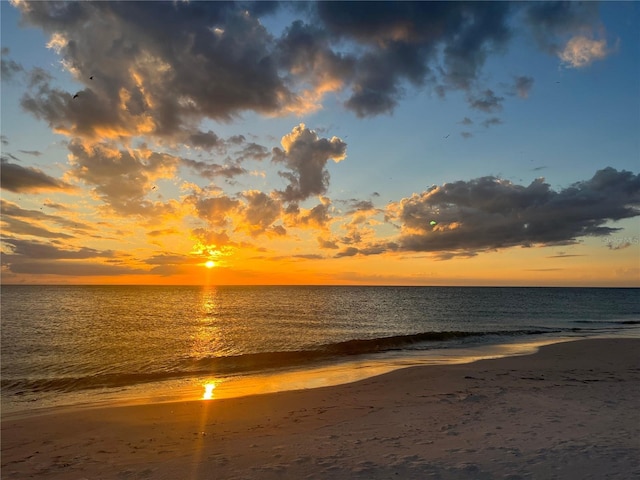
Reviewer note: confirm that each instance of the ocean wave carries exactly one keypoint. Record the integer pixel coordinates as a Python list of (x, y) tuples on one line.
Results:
[(608, 322), (251, 362)]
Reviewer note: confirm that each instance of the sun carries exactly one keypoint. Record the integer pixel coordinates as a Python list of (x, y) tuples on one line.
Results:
[(210, 264)]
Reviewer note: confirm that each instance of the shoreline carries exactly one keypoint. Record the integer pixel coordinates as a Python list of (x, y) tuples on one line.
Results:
[(567, 411), (324, 374)]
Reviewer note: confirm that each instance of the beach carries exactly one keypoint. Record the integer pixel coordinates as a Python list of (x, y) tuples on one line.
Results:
[(568, 411)]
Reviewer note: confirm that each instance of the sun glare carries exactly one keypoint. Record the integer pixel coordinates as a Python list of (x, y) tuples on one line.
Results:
[(210, 264), (208, 391)]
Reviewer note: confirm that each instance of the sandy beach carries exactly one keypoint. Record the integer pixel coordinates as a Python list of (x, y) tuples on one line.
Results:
[(569, 411)]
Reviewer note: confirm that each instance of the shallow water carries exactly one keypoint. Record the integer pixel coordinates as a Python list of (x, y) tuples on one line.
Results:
[(67, 344)]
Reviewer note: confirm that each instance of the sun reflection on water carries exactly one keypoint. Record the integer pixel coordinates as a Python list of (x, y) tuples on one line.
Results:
[(208, 390)]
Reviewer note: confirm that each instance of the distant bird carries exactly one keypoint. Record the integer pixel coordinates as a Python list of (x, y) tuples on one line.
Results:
[(91, 77), (447, 136), (76, 95)]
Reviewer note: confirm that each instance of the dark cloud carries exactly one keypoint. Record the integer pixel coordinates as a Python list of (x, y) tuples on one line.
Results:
[(318, 216), (194, 60), (466, 121), (217, 210), (551, 22), (16, 178), (205, 140), (8, 68), (38, 250), (123, 178), (31, 257), (216, 60), (212, 171), (163, 232), (215, 239), (347, 252), (490, 122), (67, 268), (238, 150), (12, 211), (373, 249), (402, 42), (522, 86), (260, 211), (20, 227), (308, 256), (618, 246), (252, 151), (487, 101), (306, 155), (466, 134), (55, 206), (491, 213), (330, 244), (172, 259), (305, 51), (354, 206), (34, 153)]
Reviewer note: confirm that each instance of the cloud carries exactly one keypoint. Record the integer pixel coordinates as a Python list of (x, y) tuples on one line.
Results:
[(212, 171), (216, 60), (123, 178), (16, 178), (305, 154), (522, 86), (163, 232), (38, 258), (402, 43), (161, 78), (490, 122), (581, 52), (491, 213), (551, 22), (20, 227), (68, 268), (260, 212), (330, 244), (347, 252), (318, 216), (11, 211), (34, 153), (305, 52), (9, 68), (217, 211), (37, 250), (487, 101), (172, 259)]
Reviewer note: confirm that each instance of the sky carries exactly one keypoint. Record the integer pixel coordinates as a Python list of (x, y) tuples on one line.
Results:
[(338, 143)]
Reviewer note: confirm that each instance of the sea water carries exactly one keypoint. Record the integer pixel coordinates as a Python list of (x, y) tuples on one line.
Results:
[(69, 344)]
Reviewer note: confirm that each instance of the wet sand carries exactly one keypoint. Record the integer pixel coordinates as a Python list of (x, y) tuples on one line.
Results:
[(569, 411)]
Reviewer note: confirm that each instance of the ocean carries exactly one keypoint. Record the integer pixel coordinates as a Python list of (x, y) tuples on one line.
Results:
[(70, 345)]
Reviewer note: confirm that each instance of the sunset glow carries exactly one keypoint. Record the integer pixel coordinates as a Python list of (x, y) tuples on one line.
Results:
[(414, 144)]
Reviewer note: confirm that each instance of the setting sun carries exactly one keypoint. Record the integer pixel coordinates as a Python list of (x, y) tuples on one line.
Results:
[(210, 264)]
